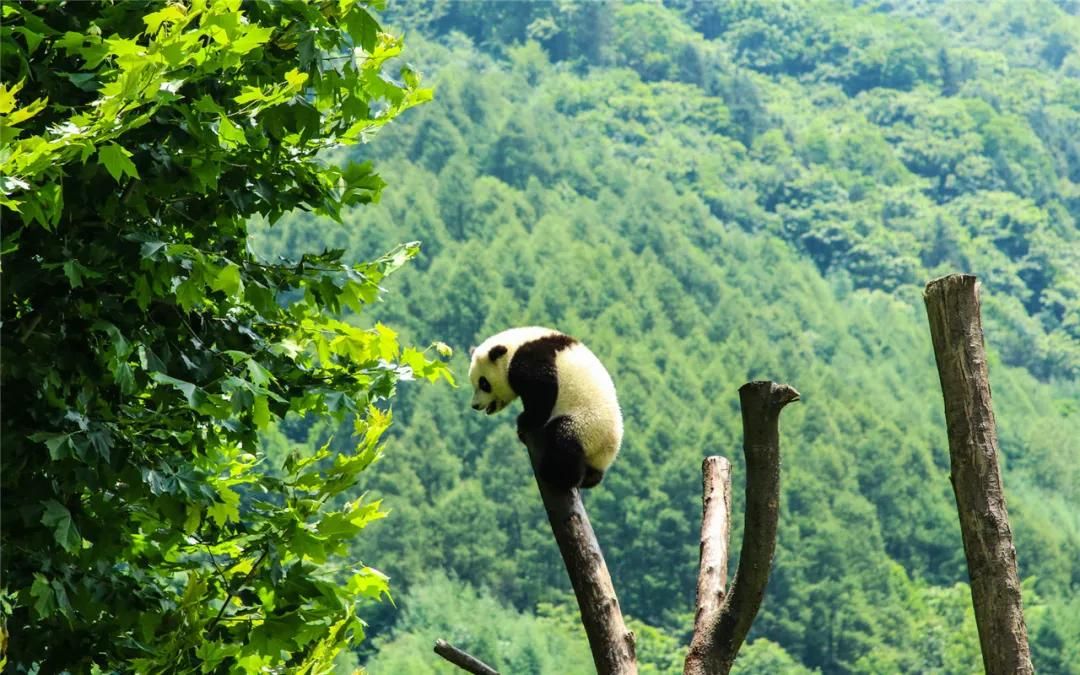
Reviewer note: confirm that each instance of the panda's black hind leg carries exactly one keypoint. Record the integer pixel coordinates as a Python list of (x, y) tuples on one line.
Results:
[(562, 462), (592, 477)]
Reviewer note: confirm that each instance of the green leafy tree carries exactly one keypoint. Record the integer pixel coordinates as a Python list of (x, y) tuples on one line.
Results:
[(146, 346)]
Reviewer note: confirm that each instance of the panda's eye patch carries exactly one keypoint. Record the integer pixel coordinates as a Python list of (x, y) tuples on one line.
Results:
[(485, 386)]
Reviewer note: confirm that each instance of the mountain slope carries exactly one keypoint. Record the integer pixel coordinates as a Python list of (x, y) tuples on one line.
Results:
[(703, 215)]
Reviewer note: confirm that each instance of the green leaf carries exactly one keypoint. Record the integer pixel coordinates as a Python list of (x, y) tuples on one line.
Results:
[(44, 598), (193, 394), (170, 14), (351, 520), (116, 161), (259, 375), (386, 343), (230, 136), (363, 29), (22, 114), (193, 518), (228, 509), (58, 518), (227, 279), (260, 414), (250, 94), (213, 653), (254, 36), (370, 583), (59, 445), (73, 273), (295, 79), (7, 96)]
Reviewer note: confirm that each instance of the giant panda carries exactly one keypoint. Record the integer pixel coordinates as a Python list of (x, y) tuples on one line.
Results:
[(567, 394)]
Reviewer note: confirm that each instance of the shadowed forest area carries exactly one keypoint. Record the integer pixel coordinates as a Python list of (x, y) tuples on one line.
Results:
[(709, 195)]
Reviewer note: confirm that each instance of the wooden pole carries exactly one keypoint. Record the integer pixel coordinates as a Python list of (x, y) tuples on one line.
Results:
[(952, 305), (716, 642), (612, 644)]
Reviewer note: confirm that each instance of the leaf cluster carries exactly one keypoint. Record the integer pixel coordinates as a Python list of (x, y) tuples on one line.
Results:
[(146, 347)]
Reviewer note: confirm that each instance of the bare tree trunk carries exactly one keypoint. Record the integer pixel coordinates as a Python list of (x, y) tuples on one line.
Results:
[(611, 643), (463, 659), (712, 572), (952, 305), (718, 635)]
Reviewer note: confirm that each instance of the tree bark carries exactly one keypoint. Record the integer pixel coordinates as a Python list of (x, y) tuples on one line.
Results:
[(712, 572), (462, 659), (611, 643), (717, 640), (953, 308)]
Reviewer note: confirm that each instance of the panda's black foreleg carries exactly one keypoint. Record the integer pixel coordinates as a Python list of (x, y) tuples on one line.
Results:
[(562, 463)]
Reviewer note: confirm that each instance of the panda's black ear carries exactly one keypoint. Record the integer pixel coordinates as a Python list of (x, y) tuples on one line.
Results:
[(496, 352), (472, 350)]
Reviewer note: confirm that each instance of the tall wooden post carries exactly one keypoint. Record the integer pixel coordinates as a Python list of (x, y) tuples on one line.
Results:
[(952, 305)]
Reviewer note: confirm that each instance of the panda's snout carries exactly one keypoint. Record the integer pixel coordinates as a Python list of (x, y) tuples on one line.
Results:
[(477, 406)]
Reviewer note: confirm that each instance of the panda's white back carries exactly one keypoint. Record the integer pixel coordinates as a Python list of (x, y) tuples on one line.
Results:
[(587, 396)]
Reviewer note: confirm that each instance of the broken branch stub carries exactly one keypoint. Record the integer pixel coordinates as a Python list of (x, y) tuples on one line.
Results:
[(719, 635), (712, 571), (953, 309)]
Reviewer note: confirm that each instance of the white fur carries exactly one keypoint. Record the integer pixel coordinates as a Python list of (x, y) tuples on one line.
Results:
[(586, 392)]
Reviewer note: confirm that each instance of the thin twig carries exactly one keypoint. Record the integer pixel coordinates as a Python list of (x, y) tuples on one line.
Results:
[(221, 573), (232, 592)]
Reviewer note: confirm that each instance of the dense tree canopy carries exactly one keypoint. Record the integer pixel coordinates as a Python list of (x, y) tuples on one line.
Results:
[(733, 191), (145, 346)]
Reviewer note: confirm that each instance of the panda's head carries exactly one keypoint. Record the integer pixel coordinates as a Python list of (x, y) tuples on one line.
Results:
[(489, 374)]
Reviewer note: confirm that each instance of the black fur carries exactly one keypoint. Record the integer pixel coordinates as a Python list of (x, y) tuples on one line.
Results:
[(534, 378), (592, 477), (496, 352), (562, 463)]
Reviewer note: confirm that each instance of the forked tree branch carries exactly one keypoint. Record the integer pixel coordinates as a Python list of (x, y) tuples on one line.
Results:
[(715, 532), (611, 643), (952, 305), (717, 639), (462, 659)]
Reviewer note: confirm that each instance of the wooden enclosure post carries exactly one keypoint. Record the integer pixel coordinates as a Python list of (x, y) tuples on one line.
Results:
[(952, 305)]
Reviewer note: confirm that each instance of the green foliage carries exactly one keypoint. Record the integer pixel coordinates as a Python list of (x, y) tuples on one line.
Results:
[(146, 347), (509, 641), (764, 656), (762, 224)]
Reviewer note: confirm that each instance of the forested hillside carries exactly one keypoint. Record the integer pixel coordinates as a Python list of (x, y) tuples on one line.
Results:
[(709, 193)]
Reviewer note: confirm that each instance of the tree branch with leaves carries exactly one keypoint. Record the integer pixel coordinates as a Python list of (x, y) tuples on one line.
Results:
[(148, 346)]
